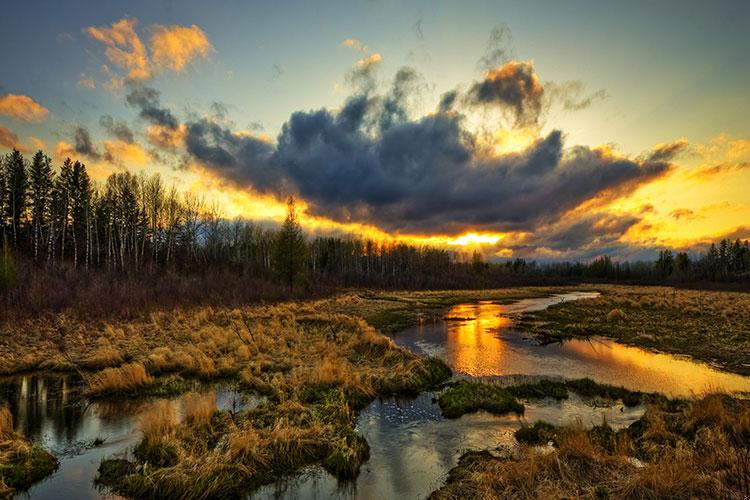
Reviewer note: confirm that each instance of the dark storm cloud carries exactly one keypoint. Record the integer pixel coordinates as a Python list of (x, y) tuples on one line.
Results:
[(513, 86), (84, 145), (416, 175), (117, 129), (146, 99), (394, 105), (596, 230), (236, 157)]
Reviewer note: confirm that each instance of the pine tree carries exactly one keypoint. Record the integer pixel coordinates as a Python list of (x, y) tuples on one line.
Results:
[(40, 190), (289, 258), (15, 186)]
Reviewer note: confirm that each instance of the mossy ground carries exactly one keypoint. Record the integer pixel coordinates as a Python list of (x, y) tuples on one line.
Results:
[(467, 396)]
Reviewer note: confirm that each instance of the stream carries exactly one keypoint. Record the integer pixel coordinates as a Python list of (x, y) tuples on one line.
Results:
[(412, 447)]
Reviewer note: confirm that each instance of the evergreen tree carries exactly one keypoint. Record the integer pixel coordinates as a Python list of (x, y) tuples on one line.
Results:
[(15, 187), (289, 250), (40, 191)]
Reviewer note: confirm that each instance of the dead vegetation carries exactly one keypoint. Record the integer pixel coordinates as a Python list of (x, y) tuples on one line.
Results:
[(21, 463), (316, 369), (696, 449), (707, 325)]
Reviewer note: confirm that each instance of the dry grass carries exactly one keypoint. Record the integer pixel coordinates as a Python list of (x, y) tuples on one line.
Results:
[(158, 422), (199, 407), (123, 379), (708, 325), (21, 462), (317, 369), (699, 450)]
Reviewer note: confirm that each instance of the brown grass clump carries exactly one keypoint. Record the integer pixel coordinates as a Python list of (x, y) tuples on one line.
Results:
[(699, 449), (21, 462), (120, 380), (199, 407), (616, 315), (158, 422)]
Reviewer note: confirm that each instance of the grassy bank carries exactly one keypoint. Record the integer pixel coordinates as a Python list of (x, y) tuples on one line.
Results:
[(21, 463), (707, 325), (696, 449), (316, 369)]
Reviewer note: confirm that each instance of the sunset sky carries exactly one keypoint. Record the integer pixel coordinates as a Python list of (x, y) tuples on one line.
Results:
[(557, 130)]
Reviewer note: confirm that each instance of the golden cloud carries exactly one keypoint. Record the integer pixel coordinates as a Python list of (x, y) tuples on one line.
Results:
[(124, 47), (123, 152), (22, 107), (37, 143), (166, 137), (354, 44), (64, 150), (369, 61), (173, 47), (9, 140)]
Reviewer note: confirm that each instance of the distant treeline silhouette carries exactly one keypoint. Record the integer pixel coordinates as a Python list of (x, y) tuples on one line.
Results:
[(132, 242)]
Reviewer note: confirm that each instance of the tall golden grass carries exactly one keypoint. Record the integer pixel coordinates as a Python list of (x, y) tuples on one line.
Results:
[(121, 379)]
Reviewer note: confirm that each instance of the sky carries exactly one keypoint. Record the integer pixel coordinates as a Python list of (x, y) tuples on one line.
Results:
[(548, 130)]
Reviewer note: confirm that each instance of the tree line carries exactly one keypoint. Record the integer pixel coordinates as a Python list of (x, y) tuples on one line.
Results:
[(57, 218)]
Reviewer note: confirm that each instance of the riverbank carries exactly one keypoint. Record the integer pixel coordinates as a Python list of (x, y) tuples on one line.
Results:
[(709, 326), (678, 449)]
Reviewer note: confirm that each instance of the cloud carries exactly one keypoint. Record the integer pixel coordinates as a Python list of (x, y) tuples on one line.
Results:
[(354, 44), (719, 169), (173, 47), (9, 140), (368, 62), (146, 99), (86, 81), (22, 108), (425, 175), (124, 153), (668, 151), (590, 232), (170, 48), (166, 138), (513, 86), (124, 47), (84, 145), (682, 213), (118, 129), (37, 143), (572, 95), (499, 48)]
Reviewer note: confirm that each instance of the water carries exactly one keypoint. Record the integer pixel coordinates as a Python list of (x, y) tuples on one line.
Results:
[(481, 342), (50, 409), (412, 447)]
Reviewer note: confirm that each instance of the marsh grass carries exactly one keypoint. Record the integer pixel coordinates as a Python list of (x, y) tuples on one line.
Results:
[(22, 463), (123, 379), (317, 368), (695, 449)]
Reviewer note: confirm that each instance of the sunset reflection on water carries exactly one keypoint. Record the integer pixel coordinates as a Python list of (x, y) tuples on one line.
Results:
[(478, 340)]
